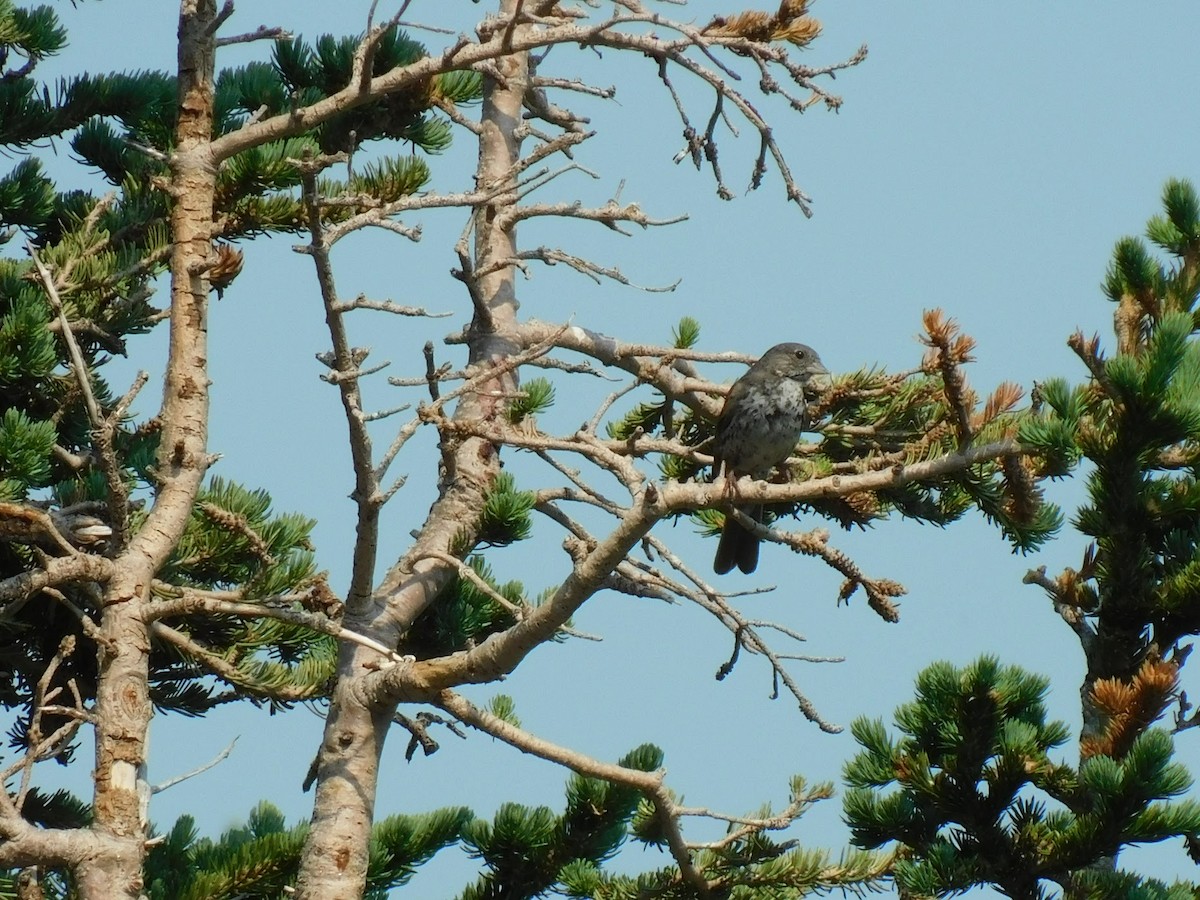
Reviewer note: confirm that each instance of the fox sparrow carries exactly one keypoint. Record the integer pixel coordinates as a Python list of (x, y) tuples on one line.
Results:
[(764, 413)]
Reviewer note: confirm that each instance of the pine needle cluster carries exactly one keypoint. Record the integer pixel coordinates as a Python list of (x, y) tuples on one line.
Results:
[(971, 795)]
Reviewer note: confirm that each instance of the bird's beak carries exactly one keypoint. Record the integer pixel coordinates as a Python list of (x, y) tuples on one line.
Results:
[(819, 382)]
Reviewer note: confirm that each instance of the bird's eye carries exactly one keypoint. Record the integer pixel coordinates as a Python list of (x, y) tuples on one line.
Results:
[(800, 354)]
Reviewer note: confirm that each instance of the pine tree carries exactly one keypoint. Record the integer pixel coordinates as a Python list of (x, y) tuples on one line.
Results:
[(165, 586), (103, 254), (976, 799), (77, 474), (976, 739)]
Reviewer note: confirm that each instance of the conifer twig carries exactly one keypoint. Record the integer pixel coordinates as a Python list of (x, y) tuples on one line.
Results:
[(950, 349), (223, 668)]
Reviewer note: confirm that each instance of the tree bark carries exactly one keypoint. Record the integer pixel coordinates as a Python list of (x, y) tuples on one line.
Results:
[(122, 707), (122, 726), (334, 863)]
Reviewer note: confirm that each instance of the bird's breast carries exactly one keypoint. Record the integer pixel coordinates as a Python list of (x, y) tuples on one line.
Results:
[(763, 429)]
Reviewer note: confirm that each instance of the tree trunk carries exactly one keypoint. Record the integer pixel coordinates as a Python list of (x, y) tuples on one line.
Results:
[(122, 705), (334, 864), (123, 720)]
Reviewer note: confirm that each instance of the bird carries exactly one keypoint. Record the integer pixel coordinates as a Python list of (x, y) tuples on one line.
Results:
[(764, 413)]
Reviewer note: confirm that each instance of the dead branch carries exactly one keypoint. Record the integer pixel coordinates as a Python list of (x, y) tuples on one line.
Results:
[(261, 33), (62, 570), (199, 770), (362, 302), (503, 652), (187, 601), (366, 494), (605, 32), (40, 746)]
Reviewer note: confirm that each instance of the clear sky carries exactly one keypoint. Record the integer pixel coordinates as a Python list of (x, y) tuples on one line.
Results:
[(985, 161)]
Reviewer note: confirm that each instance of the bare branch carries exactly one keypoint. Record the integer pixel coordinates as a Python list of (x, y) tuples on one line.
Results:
[(219, 19), (190, 602), (552, 256), (795, 809), (501, 653), (78, 367), (362, 302), (261, 33), (464, 54), (366, 494), (469, 574), (199, 770), (63, 570), (609, 214), (483, 375), (86, 623), (880, 591), (24, 524), (433, 373), (39, 746), (744, 633)]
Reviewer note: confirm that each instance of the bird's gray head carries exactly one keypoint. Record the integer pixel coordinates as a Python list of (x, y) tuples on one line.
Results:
[(798, 362)]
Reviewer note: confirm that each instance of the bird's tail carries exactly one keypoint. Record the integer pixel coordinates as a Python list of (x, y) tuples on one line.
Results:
[(738, 547)]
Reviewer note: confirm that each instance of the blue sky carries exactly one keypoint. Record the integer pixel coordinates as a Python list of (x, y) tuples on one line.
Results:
[(985, 160)]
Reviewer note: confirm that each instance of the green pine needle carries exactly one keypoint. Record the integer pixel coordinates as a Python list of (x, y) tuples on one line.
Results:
[(391, 178), (503, 707), (460, 87), (1132, 271), (35, 33), (505, 517), (536, 396), (686, 334), (26, 195), (25, 449)]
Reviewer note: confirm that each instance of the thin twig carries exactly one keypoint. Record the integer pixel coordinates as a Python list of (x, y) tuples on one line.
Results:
[(78, 366), (261, 33), (171, 782)]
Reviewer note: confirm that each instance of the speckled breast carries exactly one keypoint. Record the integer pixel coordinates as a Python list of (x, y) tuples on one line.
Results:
[(764, 429)]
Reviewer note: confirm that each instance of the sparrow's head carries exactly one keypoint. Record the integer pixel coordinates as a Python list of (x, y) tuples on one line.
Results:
[(798, 362)]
